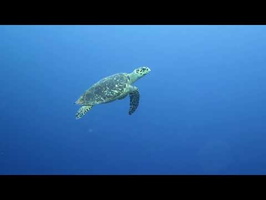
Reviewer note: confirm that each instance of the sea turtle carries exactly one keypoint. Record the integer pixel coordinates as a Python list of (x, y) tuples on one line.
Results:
[(112, 88)]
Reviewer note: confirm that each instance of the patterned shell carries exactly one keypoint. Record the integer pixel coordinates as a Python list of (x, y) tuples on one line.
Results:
[(106, 90)]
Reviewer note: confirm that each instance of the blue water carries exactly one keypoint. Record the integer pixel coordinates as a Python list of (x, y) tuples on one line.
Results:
[(202, 108)]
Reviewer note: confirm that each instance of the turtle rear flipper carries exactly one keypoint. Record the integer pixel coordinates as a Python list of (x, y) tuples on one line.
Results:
[(134, 100), (82, 111)]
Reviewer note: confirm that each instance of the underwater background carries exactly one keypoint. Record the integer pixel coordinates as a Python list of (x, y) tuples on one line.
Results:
[(202, 107)]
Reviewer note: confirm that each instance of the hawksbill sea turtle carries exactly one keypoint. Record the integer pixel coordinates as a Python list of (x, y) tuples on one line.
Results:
[(111, 88)]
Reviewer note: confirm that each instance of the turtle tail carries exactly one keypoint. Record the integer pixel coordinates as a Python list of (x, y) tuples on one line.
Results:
[(82, 111), (80, 101)]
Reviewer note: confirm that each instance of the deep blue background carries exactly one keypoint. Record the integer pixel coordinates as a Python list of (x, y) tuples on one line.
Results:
[(202, 108)]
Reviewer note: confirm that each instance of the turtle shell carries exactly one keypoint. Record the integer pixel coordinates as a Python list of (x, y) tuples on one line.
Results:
[(106, 90)]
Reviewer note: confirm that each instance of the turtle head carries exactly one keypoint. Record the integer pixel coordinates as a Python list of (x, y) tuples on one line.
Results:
[(142, 71), (138, 73)]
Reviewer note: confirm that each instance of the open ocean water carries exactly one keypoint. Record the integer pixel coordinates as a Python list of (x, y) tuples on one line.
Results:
[(202, 107)]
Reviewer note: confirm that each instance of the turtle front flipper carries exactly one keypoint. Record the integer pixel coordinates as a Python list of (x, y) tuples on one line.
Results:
[(82, 111), (134, 100)]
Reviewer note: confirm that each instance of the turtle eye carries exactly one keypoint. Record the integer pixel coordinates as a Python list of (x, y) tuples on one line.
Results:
[(144, 69)]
